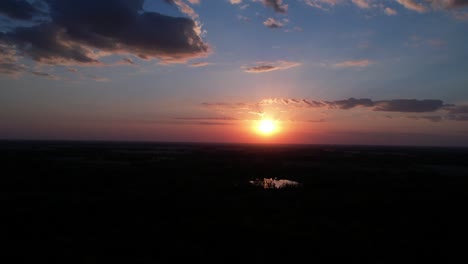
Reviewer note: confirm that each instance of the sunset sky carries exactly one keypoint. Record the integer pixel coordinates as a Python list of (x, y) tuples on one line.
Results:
[(322, 71)]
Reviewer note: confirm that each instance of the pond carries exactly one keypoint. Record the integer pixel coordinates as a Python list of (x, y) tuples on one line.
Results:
[(270, 183)]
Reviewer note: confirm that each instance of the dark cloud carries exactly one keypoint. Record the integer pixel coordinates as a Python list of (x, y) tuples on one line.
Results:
[(277, 5), (47, 43), (261, 68), (80, 32), (450, 3), (18, 9), (351, 103), (396, 105), (408, 105), (457, 109)]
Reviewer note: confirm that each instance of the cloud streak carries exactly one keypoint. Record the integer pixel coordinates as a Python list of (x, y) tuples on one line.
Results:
[(353, 64), (412, 5), (262, 67), (446, 111)]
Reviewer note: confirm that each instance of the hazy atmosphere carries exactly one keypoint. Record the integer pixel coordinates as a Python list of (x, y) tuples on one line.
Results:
[(253, 71)]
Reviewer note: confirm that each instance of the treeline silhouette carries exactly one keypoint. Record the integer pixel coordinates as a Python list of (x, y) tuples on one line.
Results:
[(98, 202)]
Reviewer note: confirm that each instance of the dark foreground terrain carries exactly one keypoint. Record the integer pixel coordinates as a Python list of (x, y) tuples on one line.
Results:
[(90, 202)]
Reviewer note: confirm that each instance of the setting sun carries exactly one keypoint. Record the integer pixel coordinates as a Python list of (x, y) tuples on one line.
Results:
[(267, 127)]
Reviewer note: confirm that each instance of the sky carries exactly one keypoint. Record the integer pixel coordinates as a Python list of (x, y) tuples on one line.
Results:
[(385, 72)]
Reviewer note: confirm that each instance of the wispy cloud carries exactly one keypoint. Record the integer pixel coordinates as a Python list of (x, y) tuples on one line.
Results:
[(390, 11), (427, 118), (354, 63), (235, 2), (98, 79), (412, 5), (200, 64), (321, 3), (261, 67), (44, 75), (362, 3), (224, 118), (273, 23), (460, 15)]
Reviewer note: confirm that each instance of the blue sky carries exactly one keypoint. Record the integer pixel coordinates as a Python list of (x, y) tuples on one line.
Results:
[(208, 70)]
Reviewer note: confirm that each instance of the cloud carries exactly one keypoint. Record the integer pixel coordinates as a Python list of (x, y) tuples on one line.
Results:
[(12, 69), (200, 64), (457, 117), (273, 23), (9, 62), (353, 63), (390, 12), (44, 75), (269, 106), (271, 66), (207, 118), (457, 109), (394, 105), (427, 118), (362, 3), (194, 2), (462, 16), (235, 2), (448, 4), (277, 5), (412, 5), (81, 32), (320, 3), (408, 105), (98, 79), (18, 9)]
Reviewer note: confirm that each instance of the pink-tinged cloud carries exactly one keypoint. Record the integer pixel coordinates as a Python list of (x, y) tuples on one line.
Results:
[(412, 5), (353, 64), (273, 23), (200, 64), (194, 2), (364, 4), (390, 12), (262, 67), (235, 2), (98, 79)]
